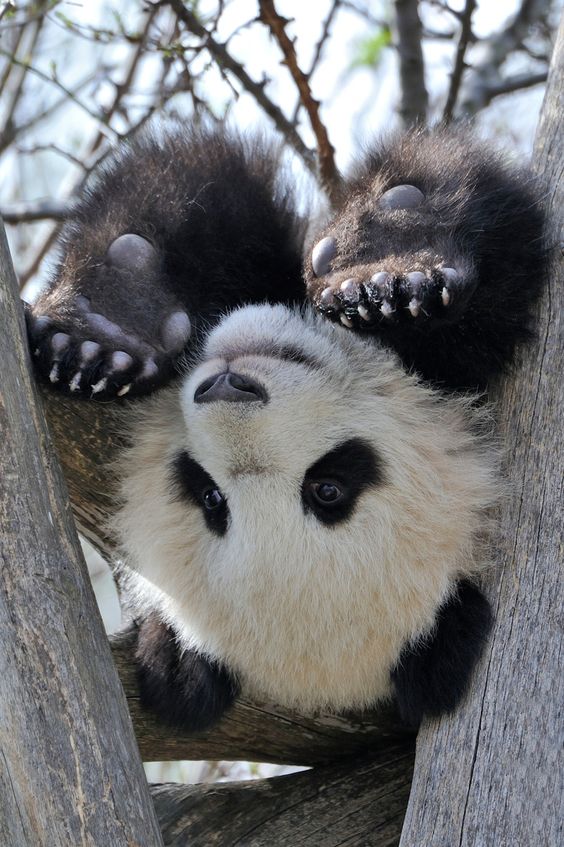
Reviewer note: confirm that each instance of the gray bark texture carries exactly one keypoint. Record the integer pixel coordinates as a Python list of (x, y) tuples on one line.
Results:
[(492, 773), (358, 805), (70, 771), (409, 39)]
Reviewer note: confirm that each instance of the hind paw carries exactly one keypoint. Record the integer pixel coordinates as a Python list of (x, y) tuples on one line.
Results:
[(115, 330), (88, 355), (421, 297)]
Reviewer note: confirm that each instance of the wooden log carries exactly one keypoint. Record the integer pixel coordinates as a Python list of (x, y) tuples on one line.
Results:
[(359, 805), (70, 771), (490, 774), (259, 732)]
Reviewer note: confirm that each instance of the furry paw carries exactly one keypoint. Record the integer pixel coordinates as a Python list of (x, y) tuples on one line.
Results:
[(370, 298), (183, 688), (432, 676), (109, 347)]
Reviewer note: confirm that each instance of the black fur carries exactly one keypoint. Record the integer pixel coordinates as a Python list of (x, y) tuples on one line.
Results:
[(432, 676), (185, 689)]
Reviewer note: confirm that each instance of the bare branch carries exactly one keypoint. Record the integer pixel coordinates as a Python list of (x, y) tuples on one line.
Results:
[(43, 210), (365, 13), (414, 98), (14, 47), (10, 134), (123, 87), (70, 772), (20, 69), (517, 82), (329, 176), (51, 148), (485, 74), (70, 95), (222, 56), (336, 5), (458, 69)]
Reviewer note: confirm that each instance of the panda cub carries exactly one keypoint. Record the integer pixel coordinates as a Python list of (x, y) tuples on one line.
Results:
[(306, 491)]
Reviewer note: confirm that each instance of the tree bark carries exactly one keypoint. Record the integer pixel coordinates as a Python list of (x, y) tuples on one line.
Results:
[(70, 771), (489, 774), (414, 98), (360, 805)]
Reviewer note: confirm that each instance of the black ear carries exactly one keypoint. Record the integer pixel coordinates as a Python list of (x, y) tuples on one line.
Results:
[(184, 688), (431, 677)]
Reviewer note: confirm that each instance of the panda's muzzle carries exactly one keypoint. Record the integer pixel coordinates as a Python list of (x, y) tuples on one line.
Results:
[(231, 388)]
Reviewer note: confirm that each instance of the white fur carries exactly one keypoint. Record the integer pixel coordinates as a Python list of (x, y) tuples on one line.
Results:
[(307, 615)]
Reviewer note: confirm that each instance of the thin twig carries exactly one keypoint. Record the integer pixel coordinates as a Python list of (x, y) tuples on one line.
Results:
[(458, 69), (222, 56), (365, 13), (329, 175), (11, 133), (14, 49), (23, 68), (318, 50), (54, 81), (51, 148), (121, 89), (43, 210), (94, 157)]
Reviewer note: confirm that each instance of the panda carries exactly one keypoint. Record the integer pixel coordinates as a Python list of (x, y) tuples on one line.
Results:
[(306, 495)]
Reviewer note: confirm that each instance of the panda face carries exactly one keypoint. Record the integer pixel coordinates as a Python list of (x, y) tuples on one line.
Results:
[(305, 533)]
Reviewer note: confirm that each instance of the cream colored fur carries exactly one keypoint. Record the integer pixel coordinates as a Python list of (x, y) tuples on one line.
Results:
[(307, 615)]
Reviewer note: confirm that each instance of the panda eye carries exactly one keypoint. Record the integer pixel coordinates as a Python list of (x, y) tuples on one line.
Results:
[(326, 492), (332, 485), (213, 499)]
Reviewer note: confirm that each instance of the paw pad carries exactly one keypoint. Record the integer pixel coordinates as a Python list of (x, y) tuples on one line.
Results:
[(322, 255)]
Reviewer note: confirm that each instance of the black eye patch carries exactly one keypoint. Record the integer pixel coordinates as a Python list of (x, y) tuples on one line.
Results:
[(192, 483), (332, 485)]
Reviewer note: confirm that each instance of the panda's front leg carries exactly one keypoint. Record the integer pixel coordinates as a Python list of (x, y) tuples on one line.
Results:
[(433, 675), (182, 687)]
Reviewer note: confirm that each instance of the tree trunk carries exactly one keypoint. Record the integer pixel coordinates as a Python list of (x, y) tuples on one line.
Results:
[(489, 774), (70, 771)]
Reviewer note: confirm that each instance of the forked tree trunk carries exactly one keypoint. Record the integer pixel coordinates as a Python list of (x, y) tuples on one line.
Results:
[(492, 773), (68, 773)]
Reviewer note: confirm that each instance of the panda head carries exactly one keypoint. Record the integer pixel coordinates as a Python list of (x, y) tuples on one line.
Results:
[(300, 507)]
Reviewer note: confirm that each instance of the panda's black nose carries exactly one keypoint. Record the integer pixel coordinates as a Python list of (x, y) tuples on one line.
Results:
[(230, 387)]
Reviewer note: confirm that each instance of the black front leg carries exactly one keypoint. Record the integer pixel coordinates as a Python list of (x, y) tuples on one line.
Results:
[(432, 677), (184, 688)]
